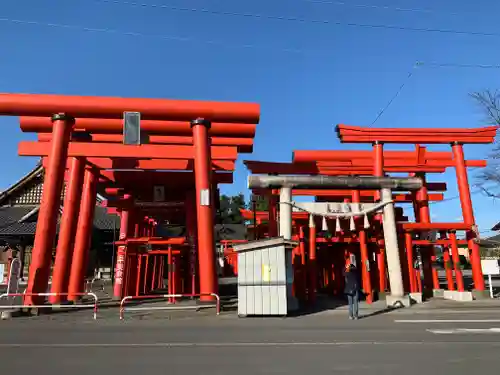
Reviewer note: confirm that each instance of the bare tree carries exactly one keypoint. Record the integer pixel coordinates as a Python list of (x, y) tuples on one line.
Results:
[(488, 180)]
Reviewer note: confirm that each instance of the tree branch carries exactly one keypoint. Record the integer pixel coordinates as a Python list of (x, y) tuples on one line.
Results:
[(489, 178)]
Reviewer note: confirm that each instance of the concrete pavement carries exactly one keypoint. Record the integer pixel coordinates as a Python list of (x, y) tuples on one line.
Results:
[(202, 343)]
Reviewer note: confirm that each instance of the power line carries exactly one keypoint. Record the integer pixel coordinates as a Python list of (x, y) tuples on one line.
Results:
[(318, 2), (301, 20), (433, 65), (378, 7), (158, 36), (458, 65), (410, 74), (215, 42)]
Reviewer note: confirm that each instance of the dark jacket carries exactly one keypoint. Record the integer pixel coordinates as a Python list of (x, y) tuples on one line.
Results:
[(352, 285)]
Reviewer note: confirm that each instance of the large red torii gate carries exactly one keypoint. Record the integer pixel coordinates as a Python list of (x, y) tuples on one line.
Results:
[(377, 162), (100, 118), (420, 157), (452, 136)]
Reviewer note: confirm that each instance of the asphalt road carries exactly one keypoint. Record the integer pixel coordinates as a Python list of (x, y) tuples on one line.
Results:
[(204, 344)]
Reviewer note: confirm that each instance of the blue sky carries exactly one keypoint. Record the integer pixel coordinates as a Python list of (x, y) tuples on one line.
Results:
[(307, 75)]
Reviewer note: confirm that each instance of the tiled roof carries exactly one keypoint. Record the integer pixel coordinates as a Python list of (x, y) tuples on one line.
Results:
[(10, 216), (105, 221), (493, 241), (32, 175), (9, 220)]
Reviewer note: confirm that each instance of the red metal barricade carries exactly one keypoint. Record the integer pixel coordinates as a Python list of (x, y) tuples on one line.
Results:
[(94, 305), (161, 296)]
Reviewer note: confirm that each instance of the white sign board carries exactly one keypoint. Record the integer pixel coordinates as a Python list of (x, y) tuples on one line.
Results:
[(490, 266), (205, 197)]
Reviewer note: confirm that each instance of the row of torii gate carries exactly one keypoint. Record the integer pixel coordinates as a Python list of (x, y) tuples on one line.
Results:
[(171, 171), (156, 161), (321, 255)]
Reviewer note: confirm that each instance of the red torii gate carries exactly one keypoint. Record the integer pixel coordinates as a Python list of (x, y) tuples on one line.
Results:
[(452, 136), (56, 114), (127, 179), (417, 162), (419, 158)]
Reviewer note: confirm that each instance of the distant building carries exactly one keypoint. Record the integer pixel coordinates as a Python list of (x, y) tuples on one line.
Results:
[(19, 205)]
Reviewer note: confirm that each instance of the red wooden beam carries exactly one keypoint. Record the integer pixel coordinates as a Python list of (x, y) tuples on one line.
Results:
[(153, 241), (357, 134), (112, 107), (122, 204), (400, 198), (152, 127), (488, 130), (157, 164), (164, 252), (114, 150), (435, 226), (308, 156), (132, 180), (258, 167), (115, 192), (404, 139), (324, 159), (348, 193), (400, 163), (151, 164), (431, 186), (363, 194), (244, 145)]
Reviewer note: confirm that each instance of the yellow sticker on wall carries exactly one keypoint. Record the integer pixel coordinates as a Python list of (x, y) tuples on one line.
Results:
[(266, 273)]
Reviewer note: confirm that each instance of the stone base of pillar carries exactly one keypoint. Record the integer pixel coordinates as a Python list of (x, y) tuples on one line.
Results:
[(458, 296), (481, 294), (438, 293), (416, 298), (397, 301)]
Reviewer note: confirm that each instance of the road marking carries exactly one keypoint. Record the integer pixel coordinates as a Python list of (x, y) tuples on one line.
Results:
[(463, 330), (236, 344), (448, 321), (204, 344)]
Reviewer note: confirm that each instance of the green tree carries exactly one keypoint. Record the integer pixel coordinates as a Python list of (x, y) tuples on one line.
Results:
[(230, 206), (261, 203)]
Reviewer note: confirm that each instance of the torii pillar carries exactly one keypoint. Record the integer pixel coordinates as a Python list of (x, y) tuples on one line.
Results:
[(83, 235), (468, 214), (67, 230), (45, 234), (121, 253), (206, 243)]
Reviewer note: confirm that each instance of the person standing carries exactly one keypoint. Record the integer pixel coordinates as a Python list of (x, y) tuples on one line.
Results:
[(352, 289)]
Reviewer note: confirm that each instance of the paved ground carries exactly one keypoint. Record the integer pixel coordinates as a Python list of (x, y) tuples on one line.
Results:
[(409, 341)]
